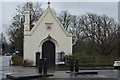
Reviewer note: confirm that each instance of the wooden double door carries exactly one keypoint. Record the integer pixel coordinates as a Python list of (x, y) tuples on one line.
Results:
[(48, 51)]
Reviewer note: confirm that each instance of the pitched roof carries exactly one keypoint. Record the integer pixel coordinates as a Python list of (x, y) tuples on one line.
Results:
[(55, 17)]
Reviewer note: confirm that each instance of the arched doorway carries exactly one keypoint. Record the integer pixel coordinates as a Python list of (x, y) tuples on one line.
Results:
[(48, 51)]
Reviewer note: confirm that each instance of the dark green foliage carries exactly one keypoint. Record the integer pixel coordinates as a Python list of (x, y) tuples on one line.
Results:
[(17, 60), (89, 59)]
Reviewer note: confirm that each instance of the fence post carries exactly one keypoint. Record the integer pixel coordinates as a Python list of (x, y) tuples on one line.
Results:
[(10, 62), (40, 65), (45, 66), (66, 61), (71, 65), (76, 65), (37, 58)]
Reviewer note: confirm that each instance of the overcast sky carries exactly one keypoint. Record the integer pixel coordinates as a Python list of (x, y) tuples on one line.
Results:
[(75, 8)]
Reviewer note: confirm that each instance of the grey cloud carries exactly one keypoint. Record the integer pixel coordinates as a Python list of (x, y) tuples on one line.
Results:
[(108, 8)]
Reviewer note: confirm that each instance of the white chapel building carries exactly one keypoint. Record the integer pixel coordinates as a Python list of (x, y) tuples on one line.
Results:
[(48, 37)]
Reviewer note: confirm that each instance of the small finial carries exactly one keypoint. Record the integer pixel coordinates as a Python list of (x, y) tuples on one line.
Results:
[(48, 3)]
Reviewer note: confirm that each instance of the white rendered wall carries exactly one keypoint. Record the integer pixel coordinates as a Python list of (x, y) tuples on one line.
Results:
[(32, 43)]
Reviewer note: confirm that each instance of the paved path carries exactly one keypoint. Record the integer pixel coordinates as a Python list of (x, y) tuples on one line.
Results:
[(4, 65), (101, 74), (21, 71)]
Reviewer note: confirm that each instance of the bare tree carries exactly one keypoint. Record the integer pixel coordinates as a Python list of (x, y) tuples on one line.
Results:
[(118, 39), (70, 23), (65, 18), (75, 29), (15, 30), (3, 43), (100, 31)]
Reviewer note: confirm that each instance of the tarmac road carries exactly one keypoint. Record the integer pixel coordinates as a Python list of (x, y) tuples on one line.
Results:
[(110, 74)]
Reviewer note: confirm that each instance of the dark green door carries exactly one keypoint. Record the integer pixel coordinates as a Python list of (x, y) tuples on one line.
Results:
[(48, 51)]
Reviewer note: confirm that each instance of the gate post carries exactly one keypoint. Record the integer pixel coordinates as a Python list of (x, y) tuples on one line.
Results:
[(76, 65), (45, 66), (37, 58), (40, 65), (71, 65)]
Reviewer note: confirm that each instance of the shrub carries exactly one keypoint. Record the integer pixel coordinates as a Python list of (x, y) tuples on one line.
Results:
[(27, 63), (17, 60), (67, 59)]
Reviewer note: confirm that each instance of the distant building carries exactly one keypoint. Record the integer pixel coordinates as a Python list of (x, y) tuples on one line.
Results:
[(48, 37)]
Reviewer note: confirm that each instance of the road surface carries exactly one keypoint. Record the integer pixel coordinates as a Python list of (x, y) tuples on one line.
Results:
[(102, 74)]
